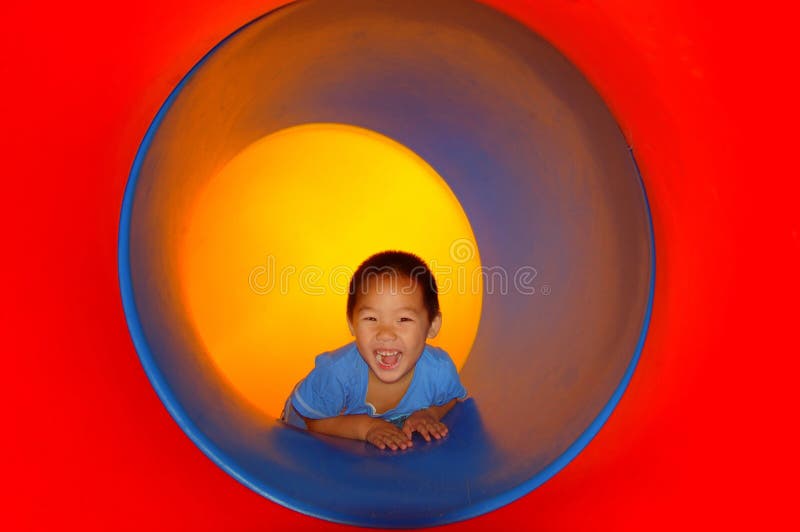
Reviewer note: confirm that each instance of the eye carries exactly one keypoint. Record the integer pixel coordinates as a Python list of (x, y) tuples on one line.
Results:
[(369, 318), (406, 319)]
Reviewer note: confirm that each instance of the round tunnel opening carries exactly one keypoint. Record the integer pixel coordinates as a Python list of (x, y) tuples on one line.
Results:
[(264, 264), (547, 182)]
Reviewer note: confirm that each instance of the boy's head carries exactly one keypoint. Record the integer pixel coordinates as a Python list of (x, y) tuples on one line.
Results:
[(392, 308), (395, 264)]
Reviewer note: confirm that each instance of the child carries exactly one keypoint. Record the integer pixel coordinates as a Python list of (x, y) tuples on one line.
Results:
[(388, 383)]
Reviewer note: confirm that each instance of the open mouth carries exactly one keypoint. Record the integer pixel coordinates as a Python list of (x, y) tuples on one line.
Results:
[(388, 359)]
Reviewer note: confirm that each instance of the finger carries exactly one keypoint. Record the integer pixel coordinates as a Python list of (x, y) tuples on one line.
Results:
[(387, 440), (423, 430), (433, 429), (391, 443), (402, 433), (436, 430), (403, 441), (407, 430), (375, 438)]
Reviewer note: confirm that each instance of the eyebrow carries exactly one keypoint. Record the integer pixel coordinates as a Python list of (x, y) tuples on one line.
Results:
[(408, 309)]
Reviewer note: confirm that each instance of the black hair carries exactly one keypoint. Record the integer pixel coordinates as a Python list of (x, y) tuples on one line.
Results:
[(401, 264)]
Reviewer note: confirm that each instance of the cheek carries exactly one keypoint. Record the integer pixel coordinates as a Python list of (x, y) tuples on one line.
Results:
[(415, 335), (363, 330)]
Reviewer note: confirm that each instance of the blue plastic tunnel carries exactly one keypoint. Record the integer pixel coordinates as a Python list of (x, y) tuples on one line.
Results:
[(546, 178)]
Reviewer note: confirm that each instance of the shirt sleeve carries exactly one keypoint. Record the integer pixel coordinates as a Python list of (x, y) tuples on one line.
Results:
[(321, 394), (450, 386)]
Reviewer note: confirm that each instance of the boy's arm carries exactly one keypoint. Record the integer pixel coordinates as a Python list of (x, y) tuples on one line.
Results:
[(376, 431), (438, 412)]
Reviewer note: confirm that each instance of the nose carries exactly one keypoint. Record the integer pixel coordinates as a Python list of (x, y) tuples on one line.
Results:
[(386, 332)]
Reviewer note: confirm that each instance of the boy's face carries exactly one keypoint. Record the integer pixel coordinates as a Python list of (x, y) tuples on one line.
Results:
[(391, 325)]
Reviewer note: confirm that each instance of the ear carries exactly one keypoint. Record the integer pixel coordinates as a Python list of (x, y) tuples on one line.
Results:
[(436, 324), (350, 326)]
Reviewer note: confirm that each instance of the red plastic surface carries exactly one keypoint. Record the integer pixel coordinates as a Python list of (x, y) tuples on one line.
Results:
[(704, 436)]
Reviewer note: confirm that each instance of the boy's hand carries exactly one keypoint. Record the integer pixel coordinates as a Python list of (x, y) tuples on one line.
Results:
[(383, 434), (424, 422)]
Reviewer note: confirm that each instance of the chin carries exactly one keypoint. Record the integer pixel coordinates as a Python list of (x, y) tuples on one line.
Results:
[(389, 376)]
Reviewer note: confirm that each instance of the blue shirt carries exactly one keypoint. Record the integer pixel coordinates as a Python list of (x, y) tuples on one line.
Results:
[(338, 386)]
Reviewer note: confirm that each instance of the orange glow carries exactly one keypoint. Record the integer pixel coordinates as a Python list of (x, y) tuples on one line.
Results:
[(274, 237)]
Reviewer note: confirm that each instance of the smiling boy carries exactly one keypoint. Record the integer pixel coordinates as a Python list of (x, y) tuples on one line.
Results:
[(389, 383)]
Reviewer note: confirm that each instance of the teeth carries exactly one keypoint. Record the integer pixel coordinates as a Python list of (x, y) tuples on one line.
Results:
[(379, 354)]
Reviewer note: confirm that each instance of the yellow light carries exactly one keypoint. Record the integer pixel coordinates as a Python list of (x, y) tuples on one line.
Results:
[(273, 239)]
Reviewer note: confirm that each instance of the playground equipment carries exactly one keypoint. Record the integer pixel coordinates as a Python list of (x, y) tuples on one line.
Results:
[(549, 185)]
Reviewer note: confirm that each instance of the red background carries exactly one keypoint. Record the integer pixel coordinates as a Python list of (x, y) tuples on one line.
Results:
[(705, 434)]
